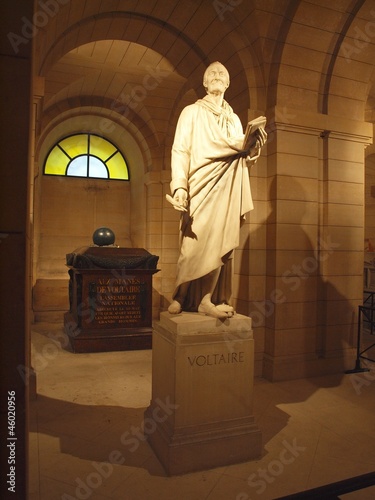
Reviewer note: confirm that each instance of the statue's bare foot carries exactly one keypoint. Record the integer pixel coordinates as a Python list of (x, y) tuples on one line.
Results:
[(209, 309), (226, 308), (175, 307)]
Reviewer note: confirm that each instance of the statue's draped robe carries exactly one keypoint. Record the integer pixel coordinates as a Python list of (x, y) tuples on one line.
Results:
[(207, 161)]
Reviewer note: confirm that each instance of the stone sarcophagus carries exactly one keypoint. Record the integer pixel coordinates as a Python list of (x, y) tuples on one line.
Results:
[(110, 296)]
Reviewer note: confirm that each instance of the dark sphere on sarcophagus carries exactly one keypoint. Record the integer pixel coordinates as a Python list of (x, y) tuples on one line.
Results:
[(103, 236)]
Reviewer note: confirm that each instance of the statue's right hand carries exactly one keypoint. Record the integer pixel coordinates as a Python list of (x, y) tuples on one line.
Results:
[(180, 199)]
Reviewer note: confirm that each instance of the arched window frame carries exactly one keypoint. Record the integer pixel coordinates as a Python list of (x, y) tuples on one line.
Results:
[(62, 156)]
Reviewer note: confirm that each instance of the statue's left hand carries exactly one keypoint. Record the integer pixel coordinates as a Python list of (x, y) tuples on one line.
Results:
[(255, 151), (261, 136)]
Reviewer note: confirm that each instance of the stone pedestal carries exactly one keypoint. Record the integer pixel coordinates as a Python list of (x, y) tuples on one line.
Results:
[(200, 414)]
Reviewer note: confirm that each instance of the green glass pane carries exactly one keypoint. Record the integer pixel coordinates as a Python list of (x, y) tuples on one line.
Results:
[(56, 162), (101, 147), (117, 167), (75, 145)]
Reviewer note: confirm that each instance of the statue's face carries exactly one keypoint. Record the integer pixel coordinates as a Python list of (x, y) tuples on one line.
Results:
[(216, 79)]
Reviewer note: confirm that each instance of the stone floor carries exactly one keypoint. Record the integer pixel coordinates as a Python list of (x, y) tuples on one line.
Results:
[(86, 442)]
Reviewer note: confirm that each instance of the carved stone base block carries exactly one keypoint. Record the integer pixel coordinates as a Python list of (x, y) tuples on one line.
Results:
[(200, 414)]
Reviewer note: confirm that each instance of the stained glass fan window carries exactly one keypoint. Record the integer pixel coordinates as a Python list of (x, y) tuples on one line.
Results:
[(86, 155)]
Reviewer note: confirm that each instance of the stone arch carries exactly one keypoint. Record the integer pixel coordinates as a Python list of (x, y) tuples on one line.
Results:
[(188, 57), (352, 74), (309, 62), (338, 40), (145, 30), (101, 109)]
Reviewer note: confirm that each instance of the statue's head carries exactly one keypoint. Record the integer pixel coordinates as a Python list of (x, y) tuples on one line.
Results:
[(216, 78)]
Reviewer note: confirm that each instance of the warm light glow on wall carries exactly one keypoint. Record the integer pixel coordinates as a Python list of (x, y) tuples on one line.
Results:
[(86, 155)]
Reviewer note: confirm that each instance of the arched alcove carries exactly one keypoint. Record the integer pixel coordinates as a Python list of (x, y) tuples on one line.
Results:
[(68, 210), (137, 66), (138, 69)]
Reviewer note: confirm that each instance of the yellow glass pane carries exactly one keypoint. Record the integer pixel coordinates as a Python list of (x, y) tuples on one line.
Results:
[(56, 162), (70, 148), (101, 147), (75, 145), (117, 167)]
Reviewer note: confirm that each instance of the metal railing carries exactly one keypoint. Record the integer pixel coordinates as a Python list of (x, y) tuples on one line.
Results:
[(333, 490), (366, 313)]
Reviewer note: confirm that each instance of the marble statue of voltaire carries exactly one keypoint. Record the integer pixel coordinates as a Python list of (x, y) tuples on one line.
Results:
[(211, 187)]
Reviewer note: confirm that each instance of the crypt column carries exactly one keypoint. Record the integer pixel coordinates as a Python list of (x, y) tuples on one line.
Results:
[(314, 242), (154, 189), (162, 237), (342, 206), (16, 81)]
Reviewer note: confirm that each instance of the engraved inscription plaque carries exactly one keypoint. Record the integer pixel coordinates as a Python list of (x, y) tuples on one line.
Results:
[(118, 302), (105, 299)]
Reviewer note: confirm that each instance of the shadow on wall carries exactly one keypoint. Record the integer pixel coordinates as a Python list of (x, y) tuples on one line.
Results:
[(301, 312)]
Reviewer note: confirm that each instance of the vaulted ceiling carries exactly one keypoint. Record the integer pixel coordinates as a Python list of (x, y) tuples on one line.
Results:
[(139, 62)]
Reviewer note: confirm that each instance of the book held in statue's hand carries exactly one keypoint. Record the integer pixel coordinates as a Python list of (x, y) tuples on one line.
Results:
[(250, 133)]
